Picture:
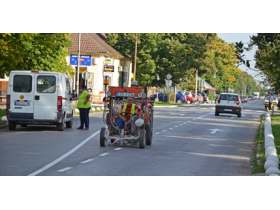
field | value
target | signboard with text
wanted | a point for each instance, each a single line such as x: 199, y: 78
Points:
x: 85, y: 60
x: 108, y: 68
x: 107, y: 61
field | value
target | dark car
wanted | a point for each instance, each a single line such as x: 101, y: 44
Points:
x: 251, y: 98
x: 204, y: 96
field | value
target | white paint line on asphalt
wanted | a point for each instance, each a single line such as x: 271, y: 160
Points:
x: 182, y: 114
x: 64, y: 156
x: 181, y: 124
x: 260, y: 111
x: 157, y: 133
x: 164, y: 130
x: 175, y: 126
x: 248, y: 110
x: 198, y: 118
x: 185, y: 122
x: 86, y: 161
x: 214, y: 130
x: 104, y: 154
x: 189, y: 121
x: 119, y: 148
x: 170, y: 128
x: 64, y: 169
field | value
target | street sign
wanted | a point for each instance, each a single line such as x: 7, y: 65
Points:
x: 169, y: 76
x: 85, y: 75
x: 107, y: 61
x: 85, y: 60
x: 168, y: 83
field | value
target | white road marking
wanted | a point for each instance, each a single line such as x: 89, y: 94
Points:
x: 104, y: 154
x: 64, y: 169
x: 260, y: 111
x: 248, y: 110
x: 189, y: 121
x: 175, y: 126
x: 164, y: 130
x: 86, y: 161
x: 182, y: 114
x: 185, y: 122
x: 157, y: 133
x: 63, y: 156
x: 170, y: 128
x: 214, y: 130
x: 198, y: 118
x: 181, y: 124
x: 119, y: 148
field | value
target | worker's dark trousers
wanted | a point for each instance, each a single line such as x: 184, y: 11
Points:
x: 84, y: 117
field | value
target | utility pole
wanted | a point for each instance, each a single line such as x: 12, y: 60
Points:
x: 196, y: 84
x: 215, y: 82
x: 135, y: 56
x: 78, y: 67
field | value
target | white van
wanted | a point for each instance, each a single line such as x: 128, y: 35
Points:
x: 39, y: 98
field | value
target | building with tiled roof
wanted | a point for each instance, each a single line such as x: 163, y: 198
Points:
x: 96, y: 54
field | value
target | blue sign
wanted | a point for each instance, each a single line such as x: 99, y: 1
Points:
x: 85, y: 60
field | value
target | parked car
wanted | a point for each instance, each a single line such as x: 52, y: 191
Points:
x: 244, y: 99
x: 216, y: 97
x: 251, y: 98
x: 205, y: 98
x: 39, y: 98
x: 180, y: 98
x: 197, y: 97
x: 228, y: 103
x: 189, y: 97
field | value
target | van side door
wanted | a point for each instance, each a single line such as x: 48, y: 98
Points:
x: 45, y: 98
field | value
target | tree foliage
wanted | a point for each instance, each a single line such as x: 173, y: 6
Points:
x: 268, y: 56
x: 34, y: 51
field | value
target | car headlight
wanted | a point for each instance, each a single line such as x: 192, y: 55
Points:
x: 109, y: 93
x: 140, y: 95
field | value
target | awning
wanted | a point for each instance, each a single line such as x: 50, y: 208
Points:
x: 211, y: 89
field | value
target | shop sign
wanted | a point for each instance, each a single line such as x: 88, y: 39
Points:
x: 107, y: 61
x: 85, y: 60
x: 108, y: 68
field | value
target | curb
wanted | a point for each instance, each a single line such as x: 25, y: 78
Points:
x: 3, y: 126
x: 272, y: 162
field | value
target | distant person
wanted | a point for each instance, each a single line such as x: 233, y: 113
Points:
x: 84, y: 108
x: 134, y: 83
x: 270, y: 100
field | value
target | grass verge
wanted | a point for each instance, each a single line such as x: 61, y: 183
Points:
x: 275, y: 125
x: 2, y: 113
x: 259, y: 151
x: 165, y: 104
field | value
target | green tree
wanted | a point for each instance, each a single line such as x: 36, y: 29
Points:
x: 35, y: 51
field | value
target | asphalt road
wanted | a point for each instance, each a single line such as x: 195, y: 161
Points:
x: 186, y: 142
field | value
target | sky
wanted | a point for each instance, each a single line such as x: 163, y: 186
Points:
x: 249, y: 55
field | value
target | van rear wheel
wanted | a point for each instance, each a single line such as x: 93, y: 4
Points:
x: 69, y: 124
x: 12, y: 125
x: 60, y: 126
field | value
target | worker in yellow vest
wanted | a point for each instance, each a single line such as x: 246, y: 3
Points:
x: 130, y: 109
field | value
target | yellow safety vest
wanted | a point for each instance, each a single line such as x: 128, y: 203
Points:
x: 132, y: 108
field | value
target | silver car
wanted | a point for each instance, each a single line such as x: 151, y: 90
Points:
x: 228, y: 103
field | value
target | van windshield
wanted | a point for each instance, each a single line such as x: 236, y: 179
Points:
x: 46, y: 84
x: 22, y: 83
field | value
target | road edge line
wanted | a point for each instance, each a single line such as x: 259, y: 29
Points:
x: 63, y: 156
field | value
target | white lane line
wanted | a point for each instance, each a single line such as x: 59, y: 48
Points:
x: 260, y: 111
x: 182, y: 114
x: 189, y: 121
x: 104, y: 154
x: 86, y: 161
x: 157, y: 133
x: 175, y: 126
x: 248, y: 110
x: 181, y: 124
x: 170, y: 128
x: 64, y: 156
x: 164, y: 130
x: 119, y: 148
x: 64, y: 169
x: 198, y: 118
x: 185, y: 122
